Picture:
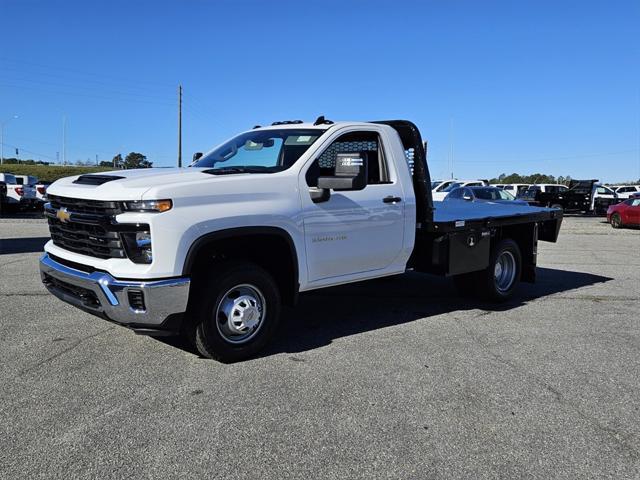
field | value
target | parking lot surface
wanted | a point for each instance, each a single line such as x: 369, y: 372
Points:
x: 396, y: 378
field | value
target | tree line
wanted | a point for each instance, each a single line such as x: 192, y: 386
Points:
x: 132, y: 160
x: 535, y: 178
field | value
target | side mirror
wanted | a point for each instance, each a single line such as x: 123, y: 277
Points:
x: 350, y: 173
x: 196, y: 156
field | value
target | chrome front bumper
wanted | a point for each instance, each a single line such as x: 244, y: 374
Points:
x: 101, y: 294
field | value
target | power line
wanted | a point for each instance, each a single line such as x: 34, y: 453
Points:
x: 28, y: 151
x: 81, y: 72
x: 81, y: 86
x: 77, y: 94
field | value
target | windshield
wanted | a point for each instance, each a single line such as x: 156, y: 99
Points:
x: 260, y: 151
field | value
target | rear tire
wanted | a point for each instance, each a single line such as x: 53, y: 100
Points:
x: 616, y: 220
x: 235, y: 311
x: 500, y: 279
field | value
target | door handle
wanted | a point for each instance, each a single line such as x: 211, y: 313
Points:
x: 391, y: 199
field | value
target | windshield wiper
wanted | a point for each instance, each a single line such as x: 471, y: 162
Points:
x: 239, y: 169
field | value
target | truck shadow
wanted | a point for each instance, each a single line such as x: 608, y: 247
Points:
x: 325, y: 315
x: 10, y: 246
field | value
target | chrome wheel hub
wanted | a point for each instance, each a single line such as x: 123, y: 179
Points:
x: 240, y: 313
x: 504, y: 272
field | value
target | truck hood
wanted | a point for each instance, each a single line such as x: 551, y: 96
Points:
x: 127, y: 185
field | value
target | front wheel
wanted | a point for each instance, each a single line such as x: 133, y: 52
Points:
x: 616, y: 220
x: 235, y: 311
x: 501, y: 277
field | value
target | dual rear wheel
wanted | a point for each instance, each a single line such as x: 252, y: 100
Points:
x: 499, y: 280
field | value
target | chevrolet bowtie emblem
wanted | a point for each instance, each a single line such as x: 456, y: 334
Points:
x: 63, y: 215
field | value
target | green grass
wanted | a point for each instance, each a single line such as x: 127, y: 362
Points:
x: 48, y: 173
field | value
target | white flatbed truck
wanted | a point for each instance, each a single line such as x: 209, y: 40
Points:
x: 212, y: 251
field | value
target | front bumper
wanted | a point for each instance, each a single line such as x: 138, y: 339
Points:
x: 118, y: 300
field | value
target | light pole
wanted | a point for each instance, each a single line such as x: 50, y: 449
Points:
x: 2, y: 124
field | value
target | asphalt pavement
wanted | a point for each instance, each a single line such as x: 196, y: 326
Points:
x: 397, y: 378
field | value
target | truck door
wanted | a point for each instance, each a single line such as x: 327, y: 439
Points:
x: 353, y: 231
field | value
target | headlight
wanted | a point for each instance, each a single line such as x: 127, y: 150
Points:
x: 148, y: 206
x: 138, y: 246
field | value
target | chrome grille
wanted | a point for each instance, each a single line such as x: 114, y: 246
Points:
x: 88, y: 230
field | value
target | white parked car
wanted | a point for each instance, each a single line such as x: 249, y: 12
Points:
x: 515, y: 189
x: 18, y: 195
x: 438, y: 196
x: 440, y: 185
x: 625, y: 191
x: 41, y: 187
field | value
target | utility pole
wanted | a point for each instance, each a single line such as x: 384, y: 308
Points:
x: 179, y: 126
x: 64, y: 139
x: 451, y: 145
x: 96, y: 159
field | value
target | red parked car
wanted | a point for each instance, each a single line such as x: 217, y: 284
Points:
x: 624, y: 213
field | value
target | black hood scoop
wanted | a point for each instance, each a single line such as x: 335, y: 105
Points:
x: 93, y: 179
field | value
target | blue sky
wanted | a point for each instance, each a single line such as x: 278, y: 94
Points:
x: 525, y: 87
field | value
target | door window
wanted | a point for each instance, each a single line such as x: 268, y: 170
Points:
x: 368, y: 144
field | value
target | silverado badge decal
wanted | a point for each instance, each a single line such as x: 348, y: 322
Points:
x: 63, y: 215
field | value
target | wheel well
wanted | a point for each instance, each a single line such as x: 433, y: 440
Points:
x: 526, y: 236
x: 271, y: 249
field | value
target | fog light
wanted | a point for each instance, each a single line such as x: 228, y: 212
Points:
x: 138, y: 246
x: 143, y: 242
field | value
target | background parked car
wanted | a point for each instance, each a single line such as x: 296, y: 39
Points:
x: 3, y: 196
x: 624, y: 213
x: 440, y: 185
x: 483, y: 194
x: 18, y: 196
x: 441, y: 195
x: 581, y: 196
x: 41, y: 192
x: 515, y: 189
x: 625, y: 191
x: 31, y: 182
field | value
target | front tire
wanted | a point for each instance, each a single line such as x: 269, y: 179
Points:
x: 500, y: 279
x: 235, y: 312
x: 616, y: 220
